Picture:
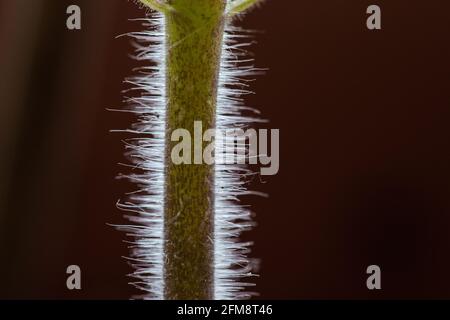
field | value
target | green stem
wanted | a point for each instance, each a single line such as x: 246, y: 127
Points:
x: 194, y: 34
x: 194, y: 42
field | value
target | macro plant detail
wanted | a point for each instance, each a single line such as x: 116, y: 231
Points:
x: 186, y: 220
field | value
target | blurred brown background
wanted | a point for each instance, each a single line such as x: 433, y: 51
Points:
x: 365, y: 162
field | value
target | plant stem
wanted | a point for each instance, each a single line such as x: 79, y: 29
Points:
x: 194, y: 42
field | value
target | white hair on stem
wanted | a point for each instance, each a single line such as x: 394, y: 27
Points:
x: 231, y: 217
x: 147, y: 154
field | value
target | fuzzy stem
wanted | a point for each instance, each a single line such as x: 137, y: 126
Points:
x: 194, y: 41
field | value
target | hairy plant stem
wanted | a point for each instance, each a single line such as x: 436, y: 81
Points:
x: 194, y: 36
x: 194, y: 42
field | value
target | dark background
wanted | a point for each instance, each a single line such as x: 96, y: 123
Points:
x: 365, y: 162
